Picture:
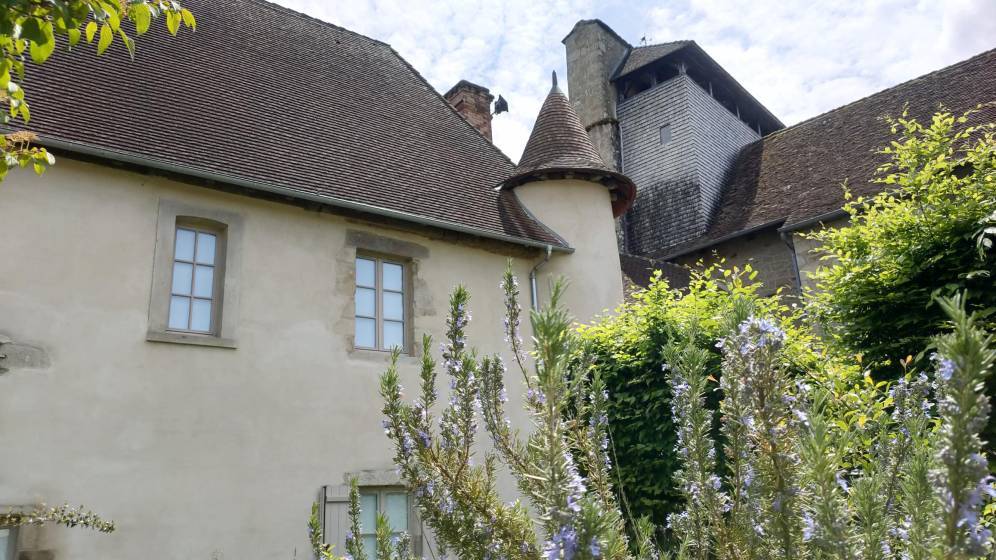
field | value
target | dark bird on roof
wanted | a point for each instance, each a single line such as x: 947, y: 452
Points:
x: 501, y: 106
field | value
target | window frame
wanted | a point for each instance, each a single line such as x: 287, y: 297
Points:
x: 228, y: 227
x: 200, y: 227
x: 379, y: 261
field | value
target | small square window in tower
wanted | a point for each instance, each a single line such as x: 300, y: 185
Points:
x: 665, y: 133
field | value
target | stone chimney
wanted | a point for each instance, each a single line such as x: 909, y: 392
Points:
x: 473, y: 102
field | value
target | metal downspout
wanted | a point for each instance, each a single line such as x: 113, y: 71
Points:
x: 533, y: 289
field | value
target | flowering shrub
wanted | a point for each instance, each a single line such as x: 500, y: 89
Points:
x: 793, y: 487
x: 896, y: 473
x: 562, y: 466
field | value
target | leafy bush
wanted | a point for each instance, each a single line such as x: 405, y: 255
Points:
x: 927, y: 234
x: 627, y: 350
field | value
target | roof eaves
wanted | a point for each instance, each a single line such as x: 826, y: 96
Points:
x: 125, y: 157
x: 736, y: 84
x: 722, y: 239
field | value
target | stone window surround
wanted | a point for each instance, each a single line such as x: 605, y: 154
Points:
x: 364, y: 243
x: 230, y: 239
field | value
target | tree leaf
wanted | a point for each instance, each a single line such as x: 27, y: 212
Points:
x: 172, y: 22
x: 106, y: 37
x: 142, y: 16
x: 91, y: 30
x: 188, y: 19
x: 32, y: 29
x: 74, y: 37
x: 41, y: 50
x: 129, y: 43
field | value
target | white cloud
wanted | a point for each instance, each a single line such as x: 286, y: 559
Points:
x: 799, y: 59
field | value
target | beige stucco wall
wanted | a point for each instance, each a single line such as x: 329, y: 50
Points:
x: 807, y: 255
x: 213, y: 453
x: 581, y: 213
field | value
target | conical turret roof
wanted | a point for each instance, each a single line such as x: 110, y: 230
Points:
x: 559, y: 147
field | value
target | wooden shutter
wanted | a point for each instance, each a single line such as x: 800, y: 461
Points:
x: 334, y: 517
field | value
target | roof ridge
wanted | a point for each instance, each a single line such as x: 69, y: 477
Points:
x: 278, y: 8
x: 453, y: 110
x: 879, y: 92
x: 664, y: 44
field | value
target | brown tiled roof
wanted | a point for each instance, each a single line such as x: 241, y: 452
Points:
x: 559, y: 144
x: 264, y: 95
x: 795, y: 174
x: 638, y: 57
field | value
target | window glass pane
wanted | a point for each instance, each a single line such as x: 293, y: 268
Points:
x: 368, y: 513
x: 366, y: 333
x: 665, y: 134
x: 200, y: 315
x: 370, y: 545
x: 181, y: 277
x: 179, y: 312
x: 396, y: 509
x: 366, y: 302
x: 5, y: 538
x: 392, y: 277
x: 204, y: 281
x: 365, y: 274
x: 205, y: 248
x: 394, y: 306
x: 184, y: 244
x: 394, y: 334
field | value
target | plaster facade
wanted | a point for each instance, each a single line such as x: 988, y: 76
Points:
x: 201, y: 452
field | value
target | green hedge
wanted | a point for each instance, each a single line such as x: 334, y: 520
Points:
x: 626, y: 348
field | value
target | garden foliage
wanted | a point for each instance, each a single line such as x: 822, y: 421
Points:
x: 815, y: 467
x: 793, y: 487
x: 562, y: 466
x: 628, y: 350
x: 928, y: 233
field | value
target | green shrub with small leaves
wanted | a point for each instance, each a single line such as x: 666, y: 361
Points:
x: 928, y: 233
x: 628, y: 350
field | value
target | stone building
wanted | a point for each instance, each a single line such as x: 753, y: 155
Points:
x: 197, y: 300
x: 718, y: 175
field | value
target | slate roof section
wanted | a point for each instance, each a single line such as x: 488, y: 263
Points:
x: 559, y: 144
x: 270, y: 96
x: 637, y: 272
x: 638, y: 57
x: 795, y: 175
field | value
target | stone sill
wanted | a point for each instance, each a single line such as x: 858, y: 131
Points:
x: 190, y: 338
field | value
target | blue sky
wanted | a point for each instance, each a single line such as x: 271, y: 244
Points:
x: 798, y: 58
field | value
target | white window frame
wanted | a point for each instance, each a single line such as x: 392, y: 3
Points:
x: 379, y: 262
x: 217, y: 277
